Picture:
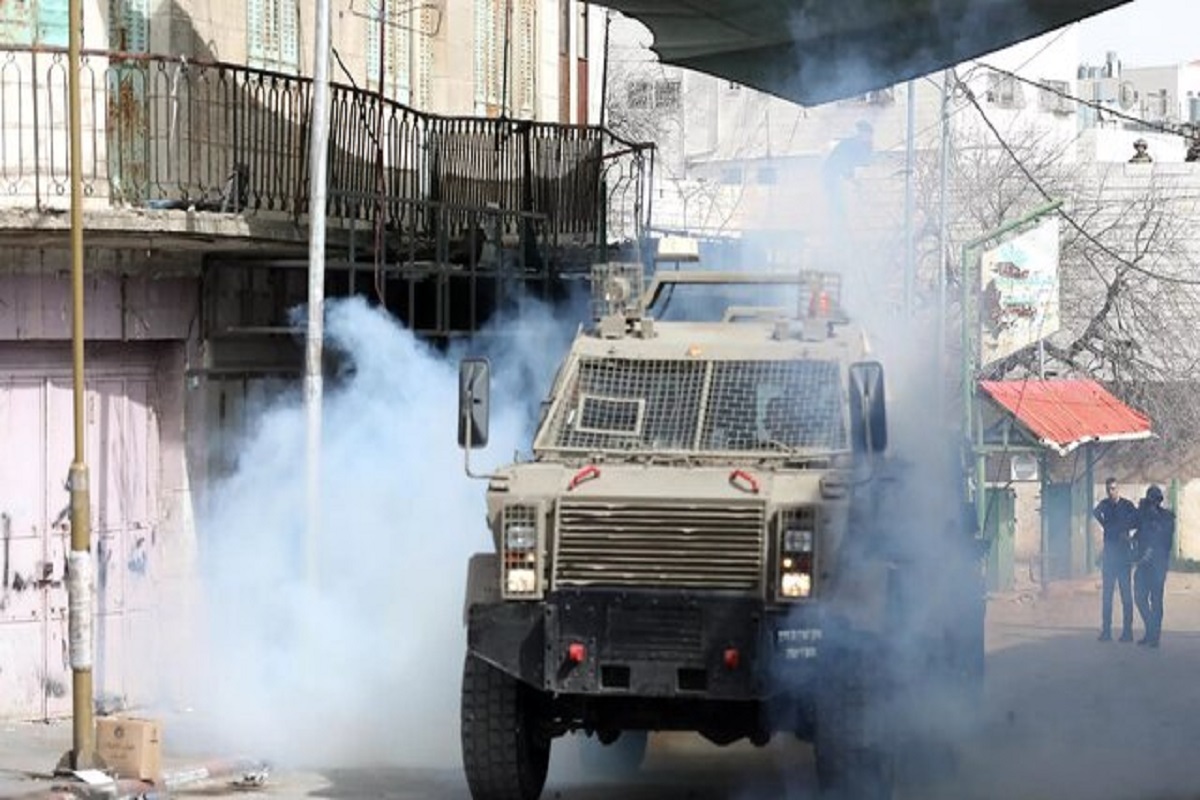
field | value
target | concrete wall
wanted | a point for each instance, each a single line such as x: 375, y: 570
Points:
x: 1028, y: 539
x: 1115, y: 145
x: 1188, y: 519
x: 1028, y: 522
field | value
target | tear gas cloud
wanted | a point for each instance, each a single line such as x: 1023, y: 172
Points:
x: 365, y: 669
x: 1085, y: 761
x: 360, y: 665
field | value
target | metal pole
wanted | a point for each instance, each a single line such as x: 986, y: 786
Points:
x: 507, y: 56
x: 79, y: 561
x: 603, y: 71
x: 1044, y: 528
x: 380, y: 288
x: 318, y: 160
x: 910, y: 265
x: 1089, y: 501
x: 943, y: 245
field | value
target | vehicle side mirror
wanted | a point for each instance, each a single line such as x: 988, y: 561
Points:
x: 474, y: 380
x: 868, y: 408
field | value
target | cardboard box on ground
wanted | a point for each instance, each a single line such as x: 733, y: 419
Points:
x: 132, y: 748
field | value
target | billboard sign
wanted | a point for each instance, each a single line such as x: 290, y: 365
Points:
x: 1019, y: 302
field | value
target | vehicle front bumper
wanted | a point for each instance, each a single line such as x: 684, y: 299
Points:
x: 650, y: 644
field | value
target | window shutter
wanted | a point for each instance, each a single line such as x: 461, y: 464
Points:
x: 499, y: 52
x: 52, y: 27
x: 287, y: 12
x: 256, y: 14
x: 398, y: 83
x: 525, y: 48
x: 271, y: 35
x: 489, y: 53
x: 400, y: 50
x: 424, y: 60
x: 481, y: 18
x: 128, y: 25
x: 16, y: 23
x: 372, y: 43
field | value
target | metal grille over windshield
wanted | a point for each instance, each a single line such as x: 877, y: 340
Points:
x: 691, y: 406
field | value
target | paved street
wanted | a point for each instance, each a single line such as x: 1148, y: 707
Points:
x: 1066, y: 716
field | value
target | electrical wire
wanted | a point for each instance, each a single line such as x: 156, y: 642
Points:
x: 937, y: 84
x: 1180, y: 130
x: 1067, y: 217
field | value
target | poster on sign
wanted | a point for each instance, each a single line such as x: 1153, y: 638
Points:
x: 1019, y: 304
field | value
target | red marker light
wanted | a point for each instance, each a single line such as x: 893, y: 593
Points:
x: 576, y: 653
x: 732, y: 658
x: 819, y: 304
x: 584, y: 475
x: 744, y: 480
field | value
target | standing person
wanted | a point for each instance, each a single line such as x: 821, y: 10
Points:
x: 1118, y: 517
x: 1155, y: 538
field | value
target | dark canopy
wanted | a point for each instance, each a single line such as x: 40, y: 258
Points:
x: 813, y: 51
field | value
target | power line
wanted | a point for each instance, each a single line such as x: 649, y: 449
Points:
x: 959, y: 81
x: 1153, y: 126
x: 1104, y: 248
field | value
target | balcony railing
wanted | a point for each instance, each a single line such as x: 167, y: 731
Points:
x: 163, y: 132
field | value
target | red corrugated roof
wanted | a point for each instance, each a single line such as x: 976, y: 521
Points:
x: 1064, y: 414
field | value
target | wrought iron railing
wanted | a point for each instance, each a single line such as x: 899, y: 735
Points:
x: 168, y: 132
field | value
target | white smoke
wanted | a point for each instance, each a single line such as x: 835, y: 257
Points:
x: 360, y: 663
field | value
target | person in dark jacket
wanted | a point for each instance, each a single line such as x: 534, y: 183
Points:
x: 1118, y: 517
x: 1155, y: 538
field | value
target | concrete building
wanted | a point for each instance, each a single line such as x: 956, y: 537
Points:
x: 1167, y: 95
x: 448, y: 195
x: 1160, y: 105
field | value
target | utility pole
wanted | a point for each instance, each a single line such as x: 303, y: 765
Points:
x: 910, y: 258
x: 943, y: 244
x: 315, y: 331
x: 608, y: 17
x: 79, y: 560
x: 380, y: 215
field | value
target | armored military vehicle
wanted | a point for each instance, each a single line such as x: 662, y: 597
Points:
x: 696, y: 542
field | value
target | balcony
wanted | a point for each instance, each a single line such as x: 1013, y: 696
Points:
x: 176, y: 141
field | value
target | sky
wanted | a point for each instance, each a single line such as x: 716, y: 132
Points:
x: 1144, y: 33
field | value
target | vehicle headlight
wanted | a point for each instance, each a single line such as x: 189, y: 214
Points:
x: 797, y: 558
x: 520, y: 559
x: 520, y: 536
x: 521, y: 581
x: 797, y: 540
x: 795, y: 584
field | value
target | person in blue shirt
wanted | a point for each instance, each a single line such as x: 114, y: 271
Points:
x: 1155, y: 538
x: 1118, y: 517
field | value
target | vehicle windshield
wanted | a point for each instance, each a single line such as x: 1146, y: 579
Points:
x: 643, y: 406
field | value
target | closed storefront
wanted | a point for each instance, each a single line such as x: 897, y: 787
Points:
x: 122, y: 411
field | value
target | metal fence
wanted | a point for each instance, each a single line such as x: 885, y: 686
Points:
x: 690, y: 406
x: 168, y: 132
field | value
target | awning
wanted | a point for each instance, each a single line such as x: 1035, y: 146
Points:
x: 813, y: 51
x: 1063, y: 414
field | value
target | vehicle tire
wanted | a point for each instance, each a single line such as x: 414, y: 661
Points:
x: 853, y: 754
x: 505, y: 754
x: 621, y: 759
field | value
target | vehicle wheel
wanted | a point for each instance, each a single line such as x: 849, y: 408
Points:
x: 505, y: 754
x: 854, y: 757
x: 623, y: 758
